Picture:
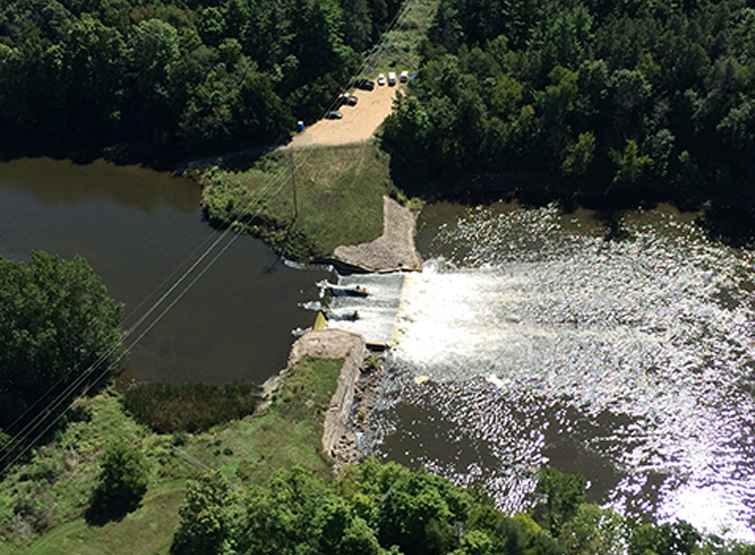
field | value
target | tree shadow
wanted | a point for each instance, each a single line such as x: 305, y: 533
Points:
x: 732, y: 225
x: 106, y: 508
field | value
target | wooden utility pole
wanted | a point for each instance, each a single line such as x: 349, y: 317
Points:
x: 293, y: 167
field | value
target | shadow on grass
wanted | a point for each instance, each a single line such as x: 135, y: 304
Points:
x: 107, y: 508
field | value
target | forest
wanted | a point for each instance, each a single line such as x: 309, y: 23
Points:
x: 386, y: 509
x: 626, y: 94
x: 175, y: 79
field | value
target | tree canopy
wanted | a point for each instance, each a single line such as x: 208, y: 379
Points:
x: 386, y: 509
x: 630, y: 93
x: 56, y: 321
x: 185, y: 75
x: 123, y: 481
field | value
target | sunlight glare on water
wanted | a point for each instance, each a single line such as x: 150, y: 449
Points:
x: 544, y: 343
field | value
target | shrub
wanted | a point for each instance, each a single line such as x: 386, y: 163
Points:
x: 122, y: 484
x: 169, y: 408
x: 180, y: 438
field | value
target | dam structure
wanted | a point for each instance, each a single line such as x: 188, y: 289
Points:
x: 540, y: 342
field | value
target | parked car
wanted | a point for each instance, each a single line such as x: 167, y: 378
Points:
x: 404, y: 77
x: 391, y: 78
x: 348, y: 99
x: 381, y: 79
x: 333, y: 115
x: 364, y: 84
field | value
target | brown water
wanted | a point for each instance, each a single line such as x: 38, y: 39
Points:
x: 539, y: 342
x: 530, y: 339
x: 136, y: 227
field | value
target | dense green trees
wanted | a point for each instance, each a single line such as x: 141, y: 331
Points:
x: 56, y: 322
x: 207, y: 517
x: 187, y: 76
x: 385, y: 509
x: 630, y: 93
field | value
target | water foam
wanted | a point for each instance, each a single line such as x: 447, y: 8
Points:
x: 549, y: 345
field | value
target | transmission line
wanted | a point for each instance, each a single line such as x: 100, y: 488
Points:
x: 29, y: 429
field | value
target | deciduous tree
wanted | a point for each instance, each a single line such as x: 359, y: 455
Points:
x: 57, y: 324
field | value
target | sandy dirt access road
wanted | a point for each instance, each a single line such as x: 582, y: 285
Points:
x: 358, y: 123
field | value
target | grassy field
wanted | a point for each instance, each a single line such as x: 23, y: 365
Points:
x: 288, y: 434
x: 149, y: 529
x: 247, y: 451
x: 400, y: 49
x: 339, y: 193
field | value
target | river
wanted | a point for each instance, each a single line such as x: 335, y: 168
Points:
x: 136, y: 227
x: 532, y: 338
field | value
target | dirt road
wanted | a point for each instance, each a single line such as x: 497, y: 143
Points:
x: 358, y: 123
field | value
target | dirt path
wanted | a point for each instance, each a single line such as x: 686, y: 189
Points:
x: 358, y: 123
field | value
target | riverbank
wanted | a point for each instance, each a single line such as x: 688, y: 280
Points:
x: 726, y: 216
x: 393, y: 251
x: 42, y: 502
x: 303, y: 204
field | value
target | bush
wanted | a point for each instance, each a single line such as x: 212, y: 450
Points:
x: 168, y: 408
x: 180, y: 438
x: 122, y: 484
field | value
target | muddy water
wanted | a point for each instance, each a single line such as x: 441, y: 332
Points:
x: 137, y: 227
x: 531, y: 339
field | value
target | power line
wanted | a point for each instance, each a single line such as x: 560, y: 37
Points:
x: 54, y: 405
x: 37, y: 421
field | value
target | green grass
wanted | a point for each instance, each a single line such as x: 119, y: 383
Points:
x: 339, y: 197
x: 62, y: 474
x: 288, y: 434
x: 149, y: 529
x: 400, y: 50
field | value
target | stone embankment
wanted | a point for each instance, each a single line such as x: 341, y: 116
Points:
x: 393, y: 251
x: 335, y: 344
x: 352, y: 445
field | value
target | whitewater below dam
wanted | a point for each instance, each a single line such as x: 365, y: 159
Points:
x: 531, y: 339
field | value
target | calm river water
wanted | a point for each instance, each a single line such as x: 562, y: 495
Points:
x: 136, y: 227
x: 530, y: 339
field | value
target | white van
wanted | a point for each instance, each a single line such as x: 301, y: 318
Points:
x: 404, y: 77
x: 391, y: 78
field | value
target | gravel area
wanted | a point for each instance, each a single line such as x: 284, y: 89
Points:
x: 358, y: 124
x: 394, y: 250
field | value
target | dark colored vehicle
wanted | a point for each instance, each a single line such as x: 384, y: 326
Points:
x: 333, y: 115
x: 364, y: 84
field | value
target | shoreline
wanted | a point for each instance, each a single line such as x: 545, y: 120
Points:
x: 347, y: 420
x: 394, y: 251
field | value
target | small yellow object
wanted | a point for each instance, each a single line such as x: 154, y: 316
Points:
x: 320, y: 322
x: 421, y: 379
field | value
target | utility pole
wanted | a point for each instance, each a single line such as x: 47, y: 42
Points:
x: 293, y: 167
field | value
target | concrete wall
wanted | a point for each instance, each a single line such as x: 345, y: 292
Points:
x: 330, y: 344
